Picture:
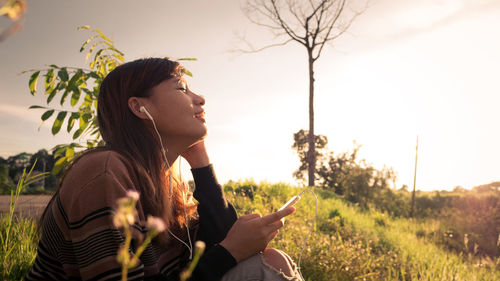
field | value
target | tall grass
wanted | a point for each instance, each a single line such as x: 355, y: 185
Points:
x: 351, y: 244
x: 18, y: 235
x: 347, y: 243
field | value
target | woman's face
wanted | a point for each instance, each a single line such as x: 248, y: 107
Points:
x: 177, y: 111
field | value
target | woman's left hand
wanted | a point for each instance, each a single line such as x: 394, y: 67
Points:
x: 197, y: 155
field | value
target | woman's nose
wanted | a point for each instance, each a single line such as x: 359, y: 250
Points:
x: 200, y: 99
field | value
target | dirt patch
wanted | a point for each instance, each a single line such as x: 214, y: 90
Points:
x: 27, y: 205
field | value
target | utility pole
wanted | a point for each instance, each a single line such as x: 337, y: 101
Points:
x: 414, y: 183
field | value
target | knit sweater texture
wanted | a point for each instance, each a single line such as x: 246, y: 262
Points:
x: 80, y: 242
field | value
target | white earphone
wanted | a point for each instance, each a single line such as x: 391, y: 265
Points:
x: 170, y: 180
x: 143, y: 110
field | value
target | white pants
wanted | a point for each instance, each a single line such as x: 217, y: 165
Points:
x: 256, y: 269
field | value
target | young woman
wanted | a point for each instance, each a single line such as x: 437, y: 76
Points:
x: 148, y: 117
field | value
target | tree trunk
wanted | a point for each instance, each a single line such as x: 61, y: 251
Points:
x: 311, y: 155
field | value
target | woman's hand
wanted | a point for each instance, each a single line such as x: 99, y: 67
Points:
x: 250, y: 234
x: 196, y: 155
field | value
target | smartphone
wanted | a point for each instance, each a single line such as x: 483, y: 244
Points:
x: 290, y: 202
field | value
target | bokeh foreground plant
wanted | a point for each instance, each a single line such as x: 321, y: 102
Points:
x: 125, y: 218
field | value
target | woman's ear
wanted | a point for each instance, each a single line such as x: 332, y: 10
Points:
x: 134, y: 104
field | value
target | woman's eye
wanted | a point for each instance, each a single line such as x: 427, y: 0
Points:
x: 182, y: 89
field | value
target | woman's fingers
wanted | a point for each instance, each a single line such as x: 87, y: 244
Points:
x: 271, y: 236
x: 277, y: 215
x: 249, y: 217
x: 274, y: 226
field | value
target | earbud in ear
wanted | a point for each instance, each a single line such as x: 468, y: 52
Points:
x: 143, y: 110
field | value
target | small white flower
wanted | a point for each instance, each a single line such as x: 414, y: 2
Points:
x: 118, y: 219
x: 199, y: 245
x: 156, y: 224
x: 133, y: 194
x: 130, y: 219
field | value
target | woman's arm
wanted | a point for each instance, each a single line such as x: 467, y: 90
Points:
x: 216, y: 214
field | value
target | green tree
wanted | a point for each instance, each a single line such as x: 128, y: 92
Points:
x: 6, y: 183
x: 355, y: 180
x: 43, y: 161
x: 79, y: 87
x: 301, y: 146
x: 17, y: 164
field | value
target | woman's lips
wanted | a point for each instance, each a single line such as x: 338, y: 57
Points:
x: 200, y: 116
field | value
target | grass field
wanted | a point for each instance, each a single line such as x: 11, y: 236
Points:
x: 27, y: 205
x: 346, y: 244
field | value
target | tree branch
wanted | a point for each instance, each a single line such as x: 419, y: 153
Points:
x: 293, y: 12
x: 288, y: 30
x: 253, y: 50
x: 334, y: 20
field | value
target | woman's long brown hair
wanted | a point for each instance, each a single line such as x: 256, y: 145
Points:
x: 128, y: 135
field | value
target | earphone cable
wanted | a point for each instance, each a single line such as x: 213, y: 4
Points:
x: 170, y: 179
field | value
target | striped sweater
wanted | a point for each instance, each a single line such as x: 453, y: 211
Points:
x: 79, y: 241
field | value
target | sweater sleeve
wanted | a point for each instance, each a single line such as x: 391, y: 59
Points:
x: 216, y: 217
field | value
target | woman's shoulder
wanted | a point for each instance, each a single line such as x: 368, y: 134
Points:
x: 98, y: 176
x: 100, y: 161
x: 94, y: 164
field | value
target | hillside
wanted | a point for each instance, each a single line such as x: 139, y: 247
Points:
x: 347, y: 243
x: 350, y: 244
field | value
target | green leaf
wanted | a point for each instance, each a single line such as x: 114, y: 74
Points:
x: 49, y: 80
x: 65, y: 95
x: 59, y: 165
x: 188, y: 73
x: 90, y: 51
x: 103, y: 36
x: 77, y: 133
x: 75, y: 96
x: 54, y: 66
x: 188, y: 59
x: 46, y: 115
x: 63, y: 74
x: 87, y: 102
x: 111, y: 47
x: 36, y: 106
x: 120, y: 58
x: 75, y: 78
x: 70, y: 152
x: 71, y: 121
x: 85, y: 43
x: 58, y: 150
x: 94, y: 75
x: 58, y: 122
x: 97, y: 58
x: 33, y: 81
x: 52, y: 94
x: 86, y: 117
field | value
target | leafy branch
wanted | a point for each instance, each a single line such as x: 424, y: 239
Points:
x: 79, y: 86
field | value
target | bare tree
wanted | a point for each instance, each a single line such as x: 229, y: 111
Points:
x: 311, y: 23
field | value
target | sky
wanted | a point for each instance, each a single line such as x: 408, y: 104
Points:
x: 404, y: 68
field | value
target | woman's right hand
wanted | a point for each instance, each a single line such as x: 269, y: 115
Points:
x: 250, y: 234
